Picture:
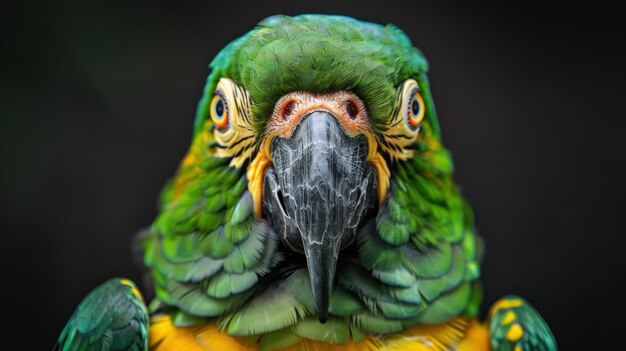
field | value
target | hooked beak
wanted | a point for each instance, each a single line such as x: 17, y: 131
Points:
x: 317, y: 194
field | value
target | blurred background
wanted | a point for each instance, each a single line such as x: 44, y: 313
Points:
x: 96, y: 107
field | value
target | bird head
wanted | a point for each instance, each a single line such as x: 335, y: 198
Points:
x: 316, y: 110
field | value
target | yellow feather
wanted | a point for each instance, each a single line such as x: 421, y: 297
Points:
x: 458, y: 334
x: 476, y: 338
x: 164, y: 336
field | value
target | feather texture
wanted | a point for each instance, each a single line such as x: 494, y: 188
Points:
x: 457, y: 334
x: 112, y: 317
x: 222, y: 277
x: 212, y: 258
x: 219, y: 267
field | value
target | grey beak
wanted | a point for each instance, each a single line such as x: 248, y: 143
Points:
x: 317, y: 195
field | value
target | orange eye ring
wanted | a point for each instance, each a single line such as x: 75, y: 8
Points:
x: 416, y: 109
x: 219, y: 111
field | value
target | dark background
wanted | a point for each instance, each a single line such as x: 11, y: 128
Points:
x: 96, y: 109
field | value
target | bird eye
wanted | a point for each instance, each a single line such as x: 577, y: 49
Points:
x: 416, y: 109
x: 219, y: 111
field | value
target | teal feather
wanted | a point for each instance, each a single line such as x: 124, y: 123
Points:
x: 399, y: 277
x: 112, y: 316
x: 535, y: 334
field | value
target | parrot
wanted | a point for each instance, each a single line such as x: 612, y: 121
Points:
x: 315, y: 209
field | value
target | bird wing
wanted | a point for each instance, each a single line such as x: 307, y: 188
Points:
x: 111, y: 317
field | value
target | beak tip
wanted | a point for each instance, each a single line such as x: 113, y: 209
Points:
x: 322, y: 305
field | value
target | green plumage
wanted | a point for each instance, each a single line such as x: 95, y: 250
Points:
x: 206, y: 250
x: 319, y: 54
x: 415, y: 261
x: 211, y: 258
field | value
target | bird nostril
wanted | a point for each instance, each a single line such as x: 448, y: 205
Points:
x: 351, y: 109
x: 288, y: 109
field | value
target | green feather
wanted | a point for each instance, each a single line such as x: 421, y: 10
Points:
x: 181, y: 249
x: 431, y: 289
x: 374, y: 252
x: 182, y: 319
x: 214, y: 203
x: 431, y: 263
x: 190, y: 297
x: 242, y: 211
x: 475, y: 299
x: 334, y: 331
x: 277, y: 340
x: 376, y: 324
x: 399, y: 277
x: 196, y: 271
x: 226, y: 284
x: 298, y: 284
x: 447, y: 306
x: 271, y: 310
x: 208, y: 221
x: 247, y: 254
x: 473, y: 271
x: 397, y: 310
x: 392, y: 228
x: 344, y: 304
x: 217, y: 245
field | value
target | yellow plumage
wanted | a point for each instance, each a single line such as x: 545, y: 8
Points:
x: 459, y: 334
